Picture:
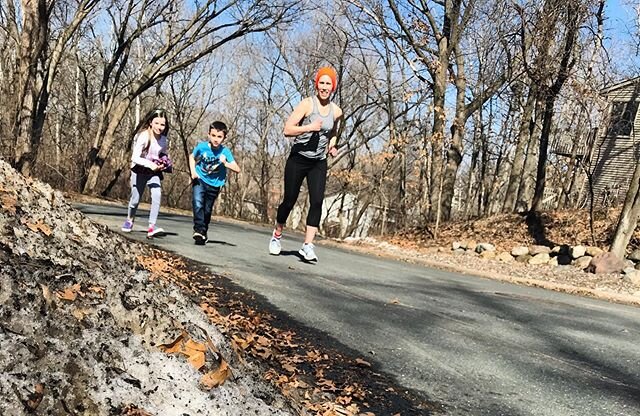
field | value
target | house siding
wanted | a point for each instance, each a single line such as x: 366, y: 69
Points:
x: 616, y: 156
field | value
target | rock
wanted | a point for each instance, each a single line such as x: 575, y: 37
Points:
x: 488, y: 254
x: 456, y: 245
x: 635, y: 255
x: 524, y: 258
x: 553, y: 261
x: 519, y: 251
x: 541, y: 258
x: 593, y: 251
x: 633, y: 277
x: 563, y: 259
x: 469, y: 245
x: 484, y: 247
x: 606, y: 263
x: 578, y: 251
x: 629, y: 263
x: 504, y: 257
x: 459, y: 250
x: 629, y: 270
x: 637, y: 267
x: 535, y: 250
x: 563, y: 249
x: 582, y: 262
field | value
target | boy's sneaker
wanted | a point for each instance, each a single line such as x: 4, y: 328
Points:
x: 199, y: 239
x: 153, y: 230
x: 307, y: 252
x: 274, y: 244
x: 127, y: 226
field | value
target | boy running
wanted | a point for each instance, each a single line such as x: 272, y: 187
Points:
x: 208, y: 165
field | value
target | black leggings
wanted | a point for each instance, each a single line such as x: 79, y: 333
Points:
x: 297, y: 168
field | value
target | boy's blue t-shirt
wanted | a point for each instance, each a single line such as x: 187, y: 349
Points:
x: 208, y: 165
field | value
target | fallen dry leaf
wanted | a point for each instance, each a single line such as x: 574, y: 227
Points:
x: 8, y: 203
x: 39, y: 226
x: 216, y: 377
x: 194, y: 351
x: 80, y: 313
x: 70, y: 293
x: 35, y: 398
x: 394, y: 301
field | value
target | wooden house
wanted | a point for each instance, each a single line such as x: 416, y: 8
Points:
x: 613, y: 149
x: 616, y: 152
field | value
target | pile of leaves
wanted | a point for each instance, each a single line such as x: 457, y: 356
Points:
x: 86, y: 330
x: 551, y: 228
x: 316, y: 378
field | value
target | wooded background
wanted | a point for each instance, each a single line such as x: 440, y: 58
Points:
x: 452, y: 107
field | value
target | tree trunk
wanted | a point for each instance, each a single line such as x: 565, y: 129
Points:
x: 524, y: 136
x: 628, y: 216
x: 32, y: 46
x: 437, y: 141
x: 541, y: 169
x: 102, y: 146
x: 528, y: 179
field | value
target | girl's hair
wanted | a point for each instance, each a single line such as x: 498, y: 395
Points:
x: 145, y: 122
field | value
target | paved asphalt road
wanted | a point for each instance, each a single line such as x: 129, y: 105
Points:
x: 481, y: 347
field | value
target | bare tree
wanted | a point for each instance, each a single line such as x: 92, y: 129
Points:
x: 181, y: 37
x: 40, y: 47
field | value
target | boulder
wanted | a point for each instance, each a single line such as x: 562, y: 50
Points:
x: 505, y: 257
x: 519, y: 251
x: 582, y: 262
x: 635, y: 255
x: 484, y: 247
x: 578, y: 251
x: 456, y: 245
x: 563, y: 259
x: 606, y: 263
x: 524, y: 258
x: 469, y: 245
x: 593, y: 251
x: 633, y: 277
x: 563, y: 249
x: 488, y: 254
x: 553, y: 261
x: 541, y: 258
x: 535, y: 250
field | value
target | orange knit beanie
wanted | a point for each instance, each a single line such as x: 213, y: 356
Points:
x: 331, y: 73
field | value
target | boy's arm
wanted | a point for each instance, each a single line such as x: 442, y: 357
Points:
x: 229, y: 165
x: 192, y: 167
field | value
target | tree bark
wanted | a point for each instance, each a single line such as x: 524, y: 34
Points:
x: 628, y: 216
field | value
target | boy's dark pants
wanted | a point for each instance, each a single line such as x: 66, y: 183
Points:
x: 203, y: 198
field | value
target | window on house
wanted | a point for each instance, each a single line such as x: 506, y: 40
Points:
x: 622, y: 117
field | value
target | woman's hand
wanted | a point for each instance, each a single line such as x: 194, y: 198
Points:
x: 333, y: 151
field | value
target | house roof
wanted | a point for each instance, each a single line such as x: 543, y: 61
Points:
x: 620, y: 85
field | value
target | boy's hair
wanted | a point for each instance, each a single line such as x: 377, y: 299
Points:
x: 220, y: 126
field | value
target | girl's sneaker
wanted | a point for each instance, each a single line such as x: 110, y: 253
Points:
x: 153, y: 230
x: 127, y: 226
x: 308, y: 253
x: 274, y: 245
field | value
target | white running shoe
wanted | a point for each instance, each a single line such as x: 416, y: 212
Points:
x: 153, y: 230
x: 308, y: 253
x: 274, y: 245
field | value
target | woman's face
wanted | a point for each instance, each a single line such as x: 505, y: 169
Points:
x: 325, y: 87
x: 158, y: 125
